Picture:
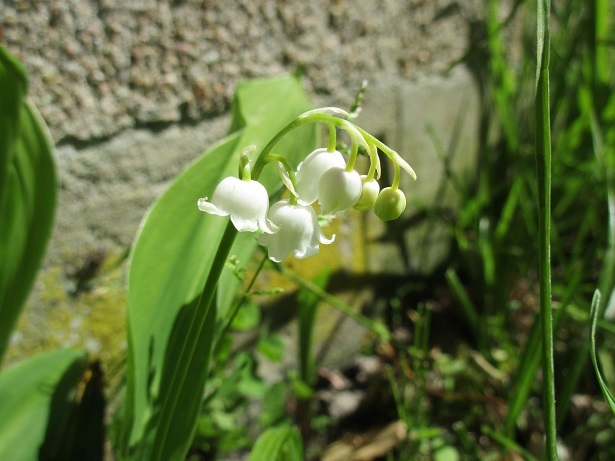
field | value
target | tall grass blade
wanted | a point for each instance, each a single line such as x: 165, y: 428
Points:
x: 543, y: 170
x: 595, y: 311
x: 508, y: 443
x: 467, y: 306
x: 308, y: 304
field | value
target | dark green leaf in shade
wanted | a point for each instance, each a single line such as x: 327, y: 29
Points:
x: 36, y: 403
x: 27, y: 193
x: 78, y: 431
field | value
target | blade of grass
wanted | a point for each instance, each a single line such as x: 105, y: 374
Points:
x: 504, y: 82
x: 508, y: 443
x: 526, y: 375
x: 419, y: 353
x: 469, y: 445
x: 543, y: 171
x: 509, y: 209
x: 595, y: 311
x: 377, y: 328
x: 308, y: 304
x: 308, y: 307
x: 602, y: 70
x: 588, y: 100
x: 238, y: 303
x: 607, y: 274
x: 467, y: 306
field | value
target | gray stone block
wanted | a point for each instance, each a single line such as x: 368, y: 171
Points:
x: 434, y: 126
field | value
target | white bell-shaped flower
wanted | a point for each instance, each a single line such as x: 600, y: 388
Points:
x: 246, y: 201
x: 298, y: 231
x: 311, y: 170
x: 339, y: 190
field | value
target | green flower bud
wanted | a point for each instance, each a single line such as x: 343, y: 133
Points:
x: 369, y: 194
x: 390, y: 204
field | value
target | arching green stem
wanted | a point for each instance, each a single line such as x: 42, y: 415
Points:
x: 244, y: 167
x: 396, y: 177
x: 374, y: 162
x: 244, y: 163
x: 353, y: 157
x: 394, y: 156
x: 286, y: 172
x: 357, y: 135
x: 322, y: 115
x: 332, y: 138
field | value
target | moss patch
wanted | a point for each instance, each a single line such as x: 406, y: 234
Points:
x: 93, y: 320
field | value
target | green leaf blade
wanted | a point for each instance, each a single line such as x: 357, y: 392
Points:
x: 27, y: 194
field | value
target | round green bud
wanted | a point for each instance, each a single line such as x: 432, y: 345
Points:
x: 390, y: 204
x: 369, y: 194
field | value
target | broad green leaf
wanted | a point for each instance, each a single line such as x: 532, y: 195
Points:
x: 35, y: 395
x: 278, y: 444
x: 170, y: 333
x: 27, y: 193
x: 610, y: 399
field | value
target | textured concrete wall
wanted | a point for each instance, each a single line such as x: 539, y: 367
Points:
x: 133, y: 90
x: 100, y: 66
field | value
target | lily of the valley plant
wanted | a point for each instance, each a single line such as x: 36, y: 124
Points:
x: 324, y: 176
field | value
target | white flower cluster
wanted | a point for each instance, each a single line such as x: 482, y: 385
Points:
x: 291, y: 225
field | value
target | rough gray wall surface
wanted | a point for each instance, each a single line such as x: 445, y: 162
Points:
x: 107, y: 188
x: 97, y: 67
